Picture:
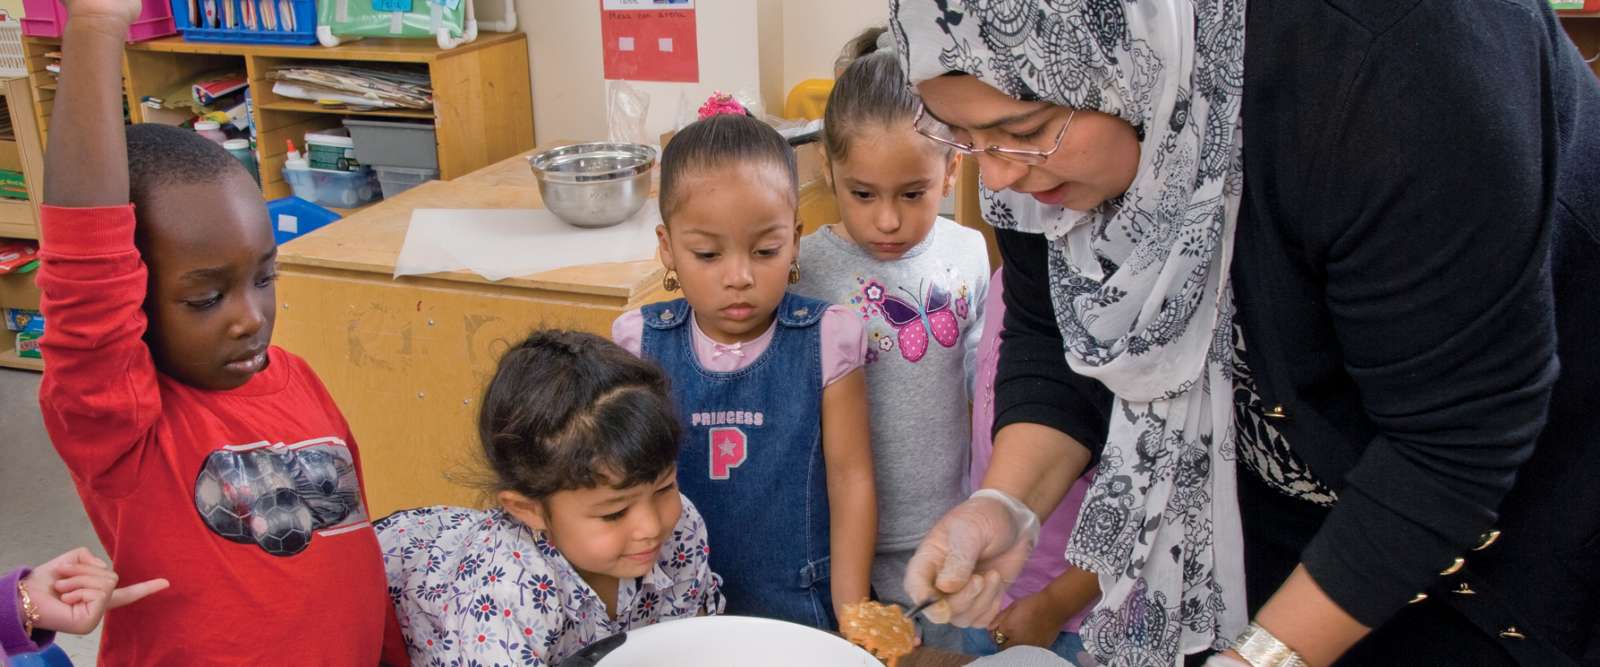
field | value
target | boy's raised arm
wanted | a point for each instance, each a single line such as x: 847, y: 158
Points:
x: 86, y: 163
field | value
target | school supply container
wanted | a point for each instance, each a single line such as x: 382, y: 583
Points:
x: 293, y: 217
x: 211, y: 130
x: 13, y: 61
x: 384, y: 143
x: 46, y: 18
x: 240, y: 150
x: 331, y: 149
x: 247, y: 21
x: 450, y: 22
x: 338, y: 189
x: 396, y: 180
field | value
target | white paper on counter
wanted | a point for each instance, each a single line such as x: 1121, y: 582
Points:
x: 499, y: 243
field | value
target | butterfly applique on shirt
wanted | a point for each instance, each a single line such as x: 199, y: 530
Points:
x: 915, y: 320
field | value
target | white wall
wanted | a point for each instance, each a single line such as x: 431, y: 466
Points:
x: 760, y: 46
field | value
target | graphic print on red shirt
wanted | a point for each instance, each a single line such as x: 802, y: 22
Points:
x: 276, y: 496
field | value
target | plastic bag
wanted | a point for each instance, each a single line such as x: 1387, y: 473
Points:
x: 626, y: 110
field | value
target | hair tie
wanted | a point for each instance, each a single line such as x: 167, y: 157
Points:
x: 722, y: 103
x: 886, y: 43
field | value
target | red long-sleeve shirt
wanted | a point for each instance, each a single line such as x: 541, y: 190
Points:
x: 214, y: 490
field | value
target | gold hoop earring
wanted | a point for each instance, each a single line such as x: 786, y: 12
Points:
x: 669, y: 282
x: 794, y: 273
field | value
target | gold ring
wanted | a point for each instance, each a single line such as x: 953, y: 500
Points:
x: 1000, y: 638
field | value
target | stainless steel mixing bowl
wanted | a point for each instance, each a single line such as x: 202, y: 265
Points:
x: 594, y: 184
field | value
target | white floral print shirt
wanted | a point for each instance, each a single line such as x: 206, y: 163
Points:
x: 478, y: 588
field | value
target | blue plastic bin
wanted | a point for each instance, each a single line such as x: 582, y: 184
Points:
x: 304, y: 13
x: 293, y: 217
x: 51, y: 656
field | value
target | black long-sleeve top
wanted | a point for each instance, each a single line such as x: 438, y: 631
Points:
x: 1417, y: 273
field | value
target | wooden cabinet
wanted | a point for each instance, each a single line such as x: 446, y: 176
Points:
x: 407, y: 358
x: 482, y: 106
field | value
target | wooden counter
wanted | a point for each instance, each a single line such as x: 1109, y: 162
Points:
x: 407, y: 358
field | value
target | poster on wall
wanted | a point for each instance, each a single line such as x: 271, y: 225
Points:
x: 650, y: 40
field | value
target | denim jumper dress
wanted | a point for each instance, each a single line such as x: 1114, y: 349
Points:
x: 752, y: 460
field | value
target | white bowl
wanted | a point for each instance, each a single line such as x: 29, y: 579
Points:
x: 734, y: 641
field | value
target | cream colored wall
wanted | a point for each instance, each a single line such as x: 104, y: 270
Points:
x: 815, y: 30
x: 761, y: 46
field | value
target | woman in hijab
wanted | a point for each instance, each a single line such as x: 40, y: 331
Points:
x: 1351, y: 245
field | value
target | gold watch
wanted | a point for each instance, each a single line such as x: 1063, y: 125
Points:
x: 1259, y: 648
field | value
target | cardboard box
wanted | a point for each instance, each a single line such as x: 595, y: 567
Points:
x: 22, y: 319
x: 28, y: 345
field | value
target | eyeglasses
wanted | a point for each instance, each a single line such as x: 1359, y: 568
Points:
x: 930, y: 127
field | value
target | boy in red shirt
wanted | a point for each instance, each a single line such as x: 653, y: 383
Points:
x: 202, y: 454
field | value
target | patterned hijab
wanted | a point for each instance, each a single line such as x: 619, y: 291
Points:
x: 1140, y: 287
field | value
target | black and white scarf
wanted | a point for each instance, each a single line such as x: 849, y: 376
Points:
x: 1140, y: 288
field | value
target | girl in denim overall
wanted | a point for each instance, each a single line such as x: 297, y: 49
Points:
x: 768, y: 384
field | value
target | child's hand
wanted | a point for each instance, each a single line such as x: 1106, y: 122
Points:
x: 1031, y: 621
x: 124, y: 12
x: 74, y: 590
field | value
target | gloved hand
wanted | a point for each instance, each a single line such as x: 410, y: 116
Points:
x: 971, y: 557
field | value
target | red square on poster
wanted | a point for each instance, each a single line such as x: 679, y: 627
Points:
x: 650, y: 40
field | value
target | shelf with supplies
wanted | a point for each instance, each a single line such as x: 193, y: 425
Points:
x: 482, y: 103
x: 20, y: 152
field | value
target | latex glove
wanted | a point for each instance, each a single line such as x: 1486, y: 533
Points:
x: 971, y: 557
x: 73, y: 591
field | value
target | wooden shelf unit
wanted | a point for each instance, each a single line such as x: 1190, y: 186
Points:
x: 1584, y: 29
x: 20, y: 219
x: 482, y: 105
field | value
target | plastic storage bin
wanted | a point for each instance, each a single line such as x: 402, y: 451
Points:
x: 332, y: 149
x: 386, y: 143
x: 450, y: 22
x: 293, y: 217
x: 13, y: 61
x: 339, y: 189
x: 396, y: 180
x: 46, y: 18
x: 270, y: 21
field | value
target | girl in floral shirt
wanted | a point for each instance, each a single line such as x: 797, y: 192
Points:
x: 591, y: 537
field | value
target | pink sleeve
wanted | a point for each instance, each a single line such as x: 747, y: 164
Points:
x: 628, y: 331
x: 844, y: 345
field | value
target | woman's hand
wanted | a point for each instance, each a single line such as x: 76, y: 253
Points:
x: 73, y: 591
x: 971, y: 557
